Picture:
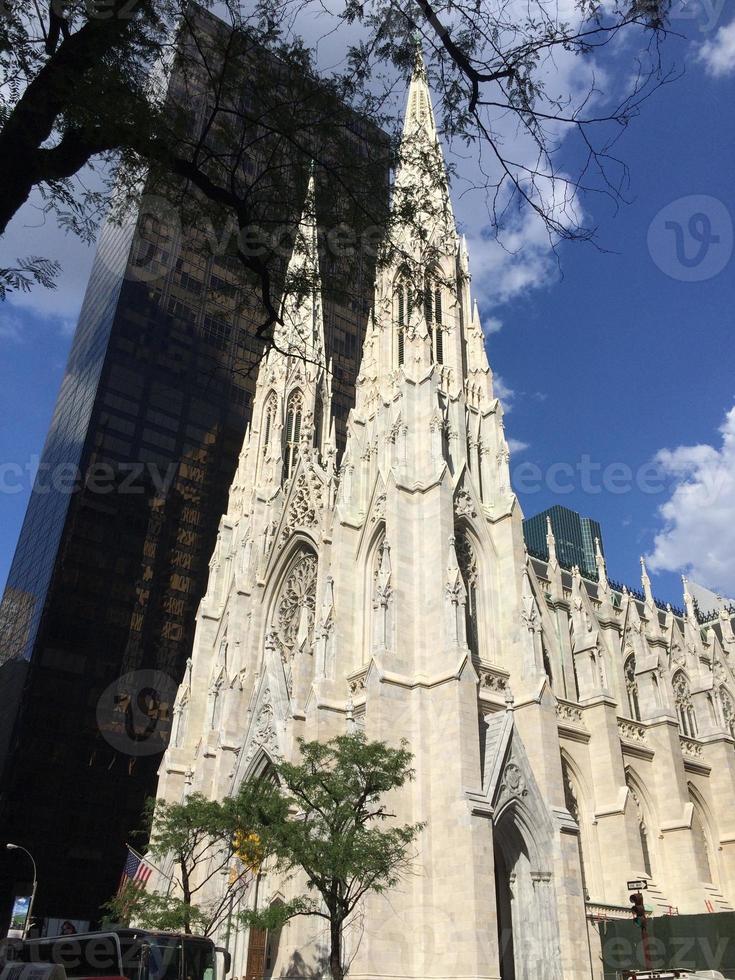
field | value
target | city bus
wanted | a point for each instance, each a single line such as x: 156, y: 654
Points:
x: 128, y: 954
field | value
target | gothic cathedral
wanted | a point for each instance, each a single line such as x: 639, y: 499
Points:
x: 567, y: 734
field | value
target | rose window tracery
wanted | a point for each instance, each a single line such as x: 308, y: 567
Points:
x: 293, y: 620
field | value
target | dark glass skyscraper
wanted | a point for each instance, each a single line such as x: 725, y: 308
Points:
x: 575, y: 537
x: 97, y: 618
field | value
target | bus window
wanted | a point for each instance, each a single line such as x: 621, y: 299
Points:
x: 164, y: 959
x: 198, y: 961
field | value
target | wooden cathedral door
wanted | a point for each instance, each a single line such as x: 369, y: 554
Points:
x: 256, y: 954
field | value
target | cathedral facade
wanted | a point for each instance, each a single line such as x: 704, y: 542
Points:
x: 567, y: 734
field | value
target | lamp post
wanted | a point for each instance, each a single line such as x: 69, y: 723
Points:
x: 17, y: 847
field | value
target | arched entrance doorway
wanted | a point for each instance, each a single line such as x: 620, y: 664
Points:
x: 528, y: 936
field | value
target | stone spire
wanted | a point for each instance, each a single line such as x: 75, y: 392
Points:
x: 479, y: 372
x: 601, y: 568
x: 292, y: 405
x: 419, y: 115
x: 689, y: 602
x: 421, y: 190
x: 553, y: 567
x: 551, y: 544
x: 650, y: 603
x: 302, y: 330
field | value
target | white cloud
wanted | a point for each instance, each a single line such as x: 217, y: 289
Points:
x: 517, y: 445
x: 504, y: 392
x: 718, y: 55
x: 10, y: 325
x: 491, y: 324
x: 698, y: 536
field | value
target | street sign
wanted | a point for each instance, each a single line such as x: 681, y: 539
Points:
x: 638, y: 885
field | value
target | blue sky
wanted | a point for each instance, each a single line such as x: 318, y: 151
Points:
x: 609, y: 367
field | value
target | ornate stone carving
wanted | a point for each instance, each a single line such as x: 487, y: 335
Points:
x: 293, y: 620
x: 512, y: 783
x: 677, y: 653
x: 630, y: 732
x: 467, y: 562
x: 567, y: 711
x: 492, y: 680
x: 382, y: 599
x: 305, y: 504
x: 690, y: 748
x: 379, y: 508
x: 728, y: 709
x: 463, y: 506
x: 357, y: 682
x: 264, y: 730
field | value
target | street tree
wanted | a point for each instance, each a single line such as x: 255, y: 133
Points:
x: 193, y: 847
x: 326, y: 820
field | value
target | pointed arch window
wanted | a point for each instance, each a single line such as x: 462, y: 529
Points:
x: 467, y: 561
x: 642, y: 829
x: 645, y: 849
x: 571, y: 800
x: 684, y: 708
x: 700, y: 840
x: 631, y: 687
x: 216, y: 698
x: 269, y: 421
x: 433, y: 317
x: 401, y: 315
x: 656, y: 691
x: 294, y: 416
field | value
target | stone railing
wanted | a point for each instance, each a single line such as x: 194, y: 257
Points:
x: 569, y: 712
x: 631, y: 731
x: 690, y: 747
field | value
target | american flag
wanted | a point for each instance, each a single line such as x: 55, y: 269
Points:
x: 136, y: 871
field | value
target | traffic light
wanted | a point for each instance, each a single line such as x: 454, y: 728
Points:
x: 638, y: 910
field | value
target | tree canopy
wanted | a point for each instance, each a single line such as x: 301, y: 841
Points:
x: 326, y: 819
x: 191, y: 847
x: 85, y: 84
x: 321, y: 826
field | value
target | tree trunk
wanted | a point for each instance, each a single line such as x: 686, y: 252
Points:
x: 335, y: 953
x: 186, y: 894
x: 37, y: 112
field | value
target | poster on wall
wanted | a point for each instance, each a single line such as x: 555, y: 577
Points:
x: 19, y: 916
